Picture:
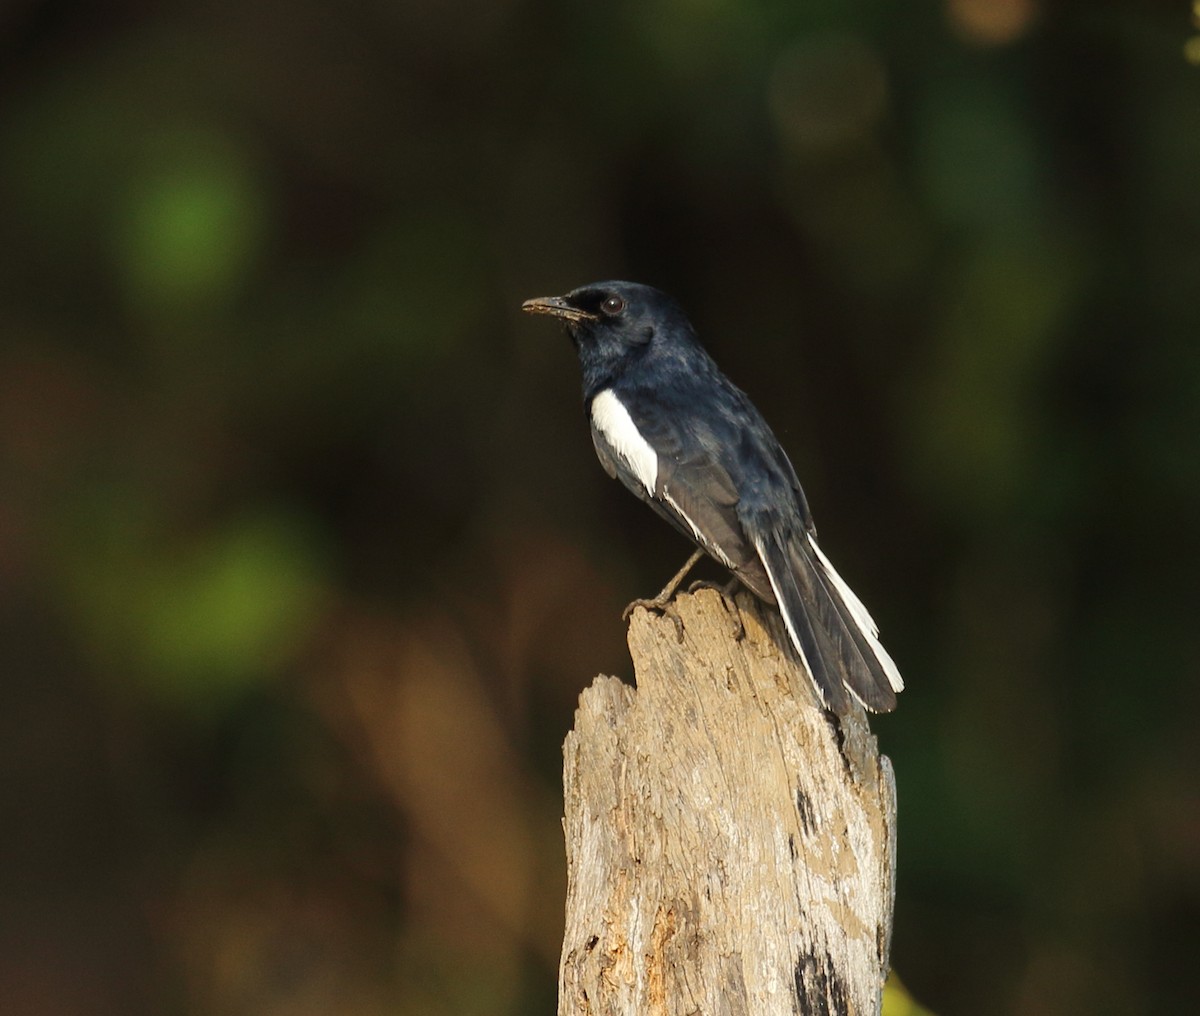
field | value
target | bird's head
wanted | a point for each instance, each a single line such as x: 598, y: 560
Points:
x: 613, y: 322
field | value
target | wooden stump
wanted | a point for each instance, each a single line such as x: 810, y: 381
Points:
x: 730, y: 845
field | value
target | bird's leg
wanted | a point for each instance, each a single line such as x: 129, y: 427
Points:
x: 660, y: 602
x: 662, y: 599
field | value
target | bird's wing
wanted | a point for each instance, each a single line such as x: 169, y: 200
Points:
x: 694, y: 476
x: 680, y: 475
x: 828, y: 624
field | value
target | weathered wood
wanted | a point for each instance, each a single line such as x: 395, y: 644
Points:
x: 730, y: 847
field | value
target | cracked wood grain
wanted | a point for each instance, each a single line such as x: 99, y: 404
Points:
x: 730, y: 845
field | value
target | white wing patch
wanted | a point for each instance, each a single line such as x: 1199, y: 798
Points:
x: 612, y: 419
x: 863, y: 619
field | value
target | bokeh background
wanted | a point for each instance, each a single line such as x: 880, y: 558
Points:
x: 305, y: 555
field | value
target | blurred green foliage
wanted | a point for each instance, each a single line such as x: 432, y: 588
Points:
x: 203, y: 618
x: 189, y: 231
x: 304, y: 555
x: 898, y: 1002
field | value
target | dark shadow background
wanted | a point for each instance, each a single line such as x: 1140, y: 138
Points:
x: 305, y: 555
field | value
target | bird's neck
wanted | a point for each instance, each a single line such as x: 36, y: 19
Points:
x: 602, y: 371
x: 595, y: 380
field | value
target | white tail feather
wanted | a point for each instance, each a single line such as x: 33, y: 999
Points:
x: 861, y: 617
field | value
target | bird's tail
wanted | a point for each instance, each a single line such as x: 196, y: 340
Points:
x: 829, y: 626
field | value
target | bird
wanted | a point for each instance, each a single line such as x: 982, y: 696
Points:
x: 669, y: 425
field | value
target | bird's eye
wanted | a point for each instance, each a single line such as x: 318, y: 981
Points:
x: 612, y: 305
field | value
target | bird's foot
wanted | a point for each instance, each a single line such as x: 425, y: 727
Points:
x: 725, y: 591
x: 660, y: 604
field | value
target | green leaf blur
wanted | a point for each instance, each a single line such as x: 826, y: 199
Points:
x: 189, y: 228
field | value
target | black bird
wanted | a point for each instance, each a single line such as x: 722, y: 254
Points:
x: 671, y: 427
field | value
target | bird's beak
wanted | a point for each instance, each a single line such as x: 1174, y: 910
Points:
x: 556, y: 306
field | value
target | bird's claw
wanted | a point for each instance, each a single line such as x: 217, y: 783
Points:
x: 725, y: 591
x: 718, y: 587
x: 659, y: 605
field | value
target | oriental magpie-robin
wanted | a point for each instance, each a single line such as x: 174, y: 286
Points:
x: 671, y: 427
